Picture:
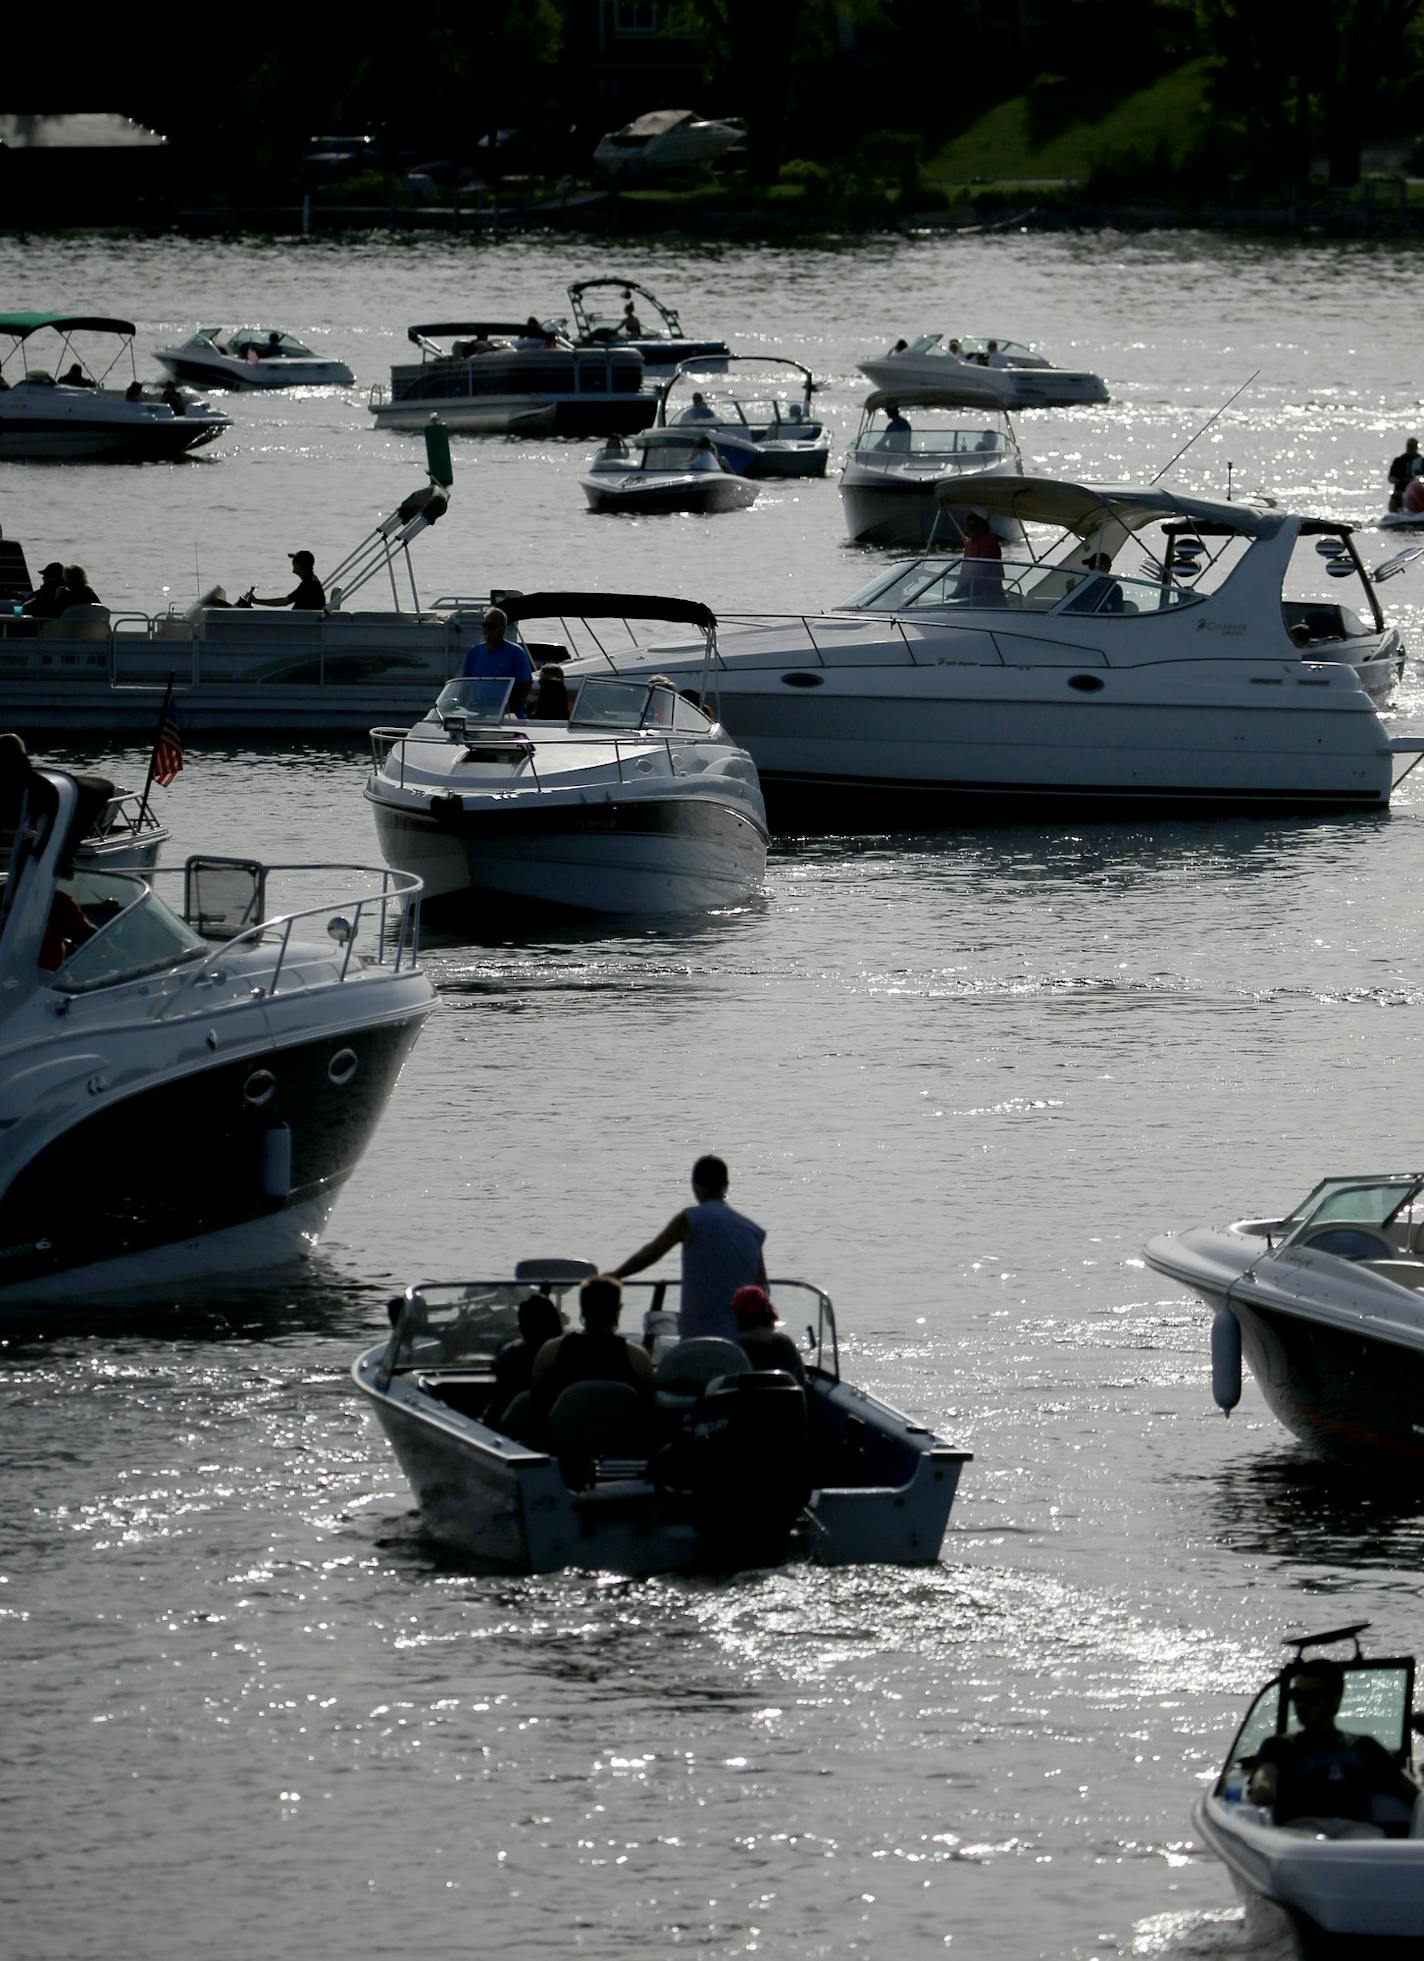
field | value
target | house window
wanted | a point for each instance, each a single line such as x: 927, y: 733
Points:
x: 636, y: 16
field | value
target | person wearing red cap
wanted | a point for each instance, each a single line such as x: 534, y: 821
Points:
x: 721, y: 1251
x: 761, y: 1336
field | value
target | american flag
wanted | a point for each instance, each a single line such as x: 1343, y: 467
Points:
x: 168, y: 755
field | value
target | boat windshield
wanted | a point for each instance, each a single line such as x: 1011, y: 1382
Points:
x: 1377, y: 1702
x: 968, y: 344
x: 634, y: 705
x: 260, y: 341
x: 662, y: 456
x: 474, y: 698
x: 934, y: 585
x: 971, y: 442
x: 135, y: 932
x: 1358, y: 1202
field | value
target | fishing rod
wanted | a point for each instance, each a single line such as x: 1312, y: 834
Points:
x: 1205, y: 426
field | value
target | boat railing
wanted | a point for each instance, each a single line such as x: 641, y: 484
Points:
x: 440, y: 1323
x: 385, y: 742
x: 393, y: 905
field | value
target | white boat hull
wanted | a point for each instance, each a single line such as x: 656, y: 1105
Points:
x: 1347, y: 1889
x: 225, y: 371
x: 42, y: 423
x: 1006, y: 388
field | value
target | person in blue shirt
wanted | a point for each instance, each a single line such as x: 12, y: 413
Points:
x: 500, y: 656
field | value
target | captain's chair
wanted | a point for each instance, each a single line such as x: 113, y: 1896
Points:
x: 685, y: 1371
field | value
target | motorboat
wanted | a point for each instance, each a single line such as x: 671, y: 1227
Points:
x: 1005, y: 372
x: 761, y: 430
x: 732, y: 1467
x: 1325, y: 1303
x: 1179, y: 684
x: 1335, y: 1883
x: 638, y: 803
x: 183, y: 1093
x: 270, y: 670
x: 69, y: 413
x: 667, y: 139
x: 124, y: 834
x: 251, y: 357
x: 664, y: 471
x: 894, y: 469
x: 642, y: 322
x: 498, y: 378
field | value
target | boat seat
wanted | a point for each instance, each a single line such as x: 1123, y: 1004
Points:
x: 593, y: 1421
x: 77, y: 623
x: 686, y: 1370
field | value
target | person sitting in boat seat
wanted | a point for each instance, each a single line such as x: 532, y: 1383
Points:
x: 614, y: 449
x: 704, y: 456
x: 1319, y: 1771
x: 77, y: 589
x: 539, y: 1321
x: 595, y: 1352
x: 173, y: 395
x: 994, y: 359
x: 134, y: 392
x: 308, y: 594
x: 632, y: 325
x: 698, y: 409
x: 75, y: 377
x: 897, y: 431
x: 552, y: 702
x: 498, y: 655
x: 274, y: 350
x: 662, y: 702
x: 762, y: 1337
x: 1098, y: 593
x: 47, y: 601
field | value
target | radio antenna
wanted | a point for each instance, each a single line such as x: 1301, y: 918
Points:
x: 1205, y: 426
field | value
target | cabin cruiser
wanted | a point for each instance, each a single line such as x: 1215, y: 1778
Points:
x: 663, y: 471
x: 637, y: 803
x: 1327, y: 1303
x: 643, y: 323
x: 183, y: 1093
x: 251, y: 357
x: 761, y: 430
x: 1004, y: 372
x: 68, y: 412
x: 667, y: 139
x: 731, y: 1467
x: 500, y: 378
x: 277, y: 671
x: 1336, y: 1882
x: 894, y: 469
x: 1039, y: 679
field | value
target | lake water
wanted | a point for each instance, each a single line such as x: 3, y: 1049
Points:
x: 959, y: 1077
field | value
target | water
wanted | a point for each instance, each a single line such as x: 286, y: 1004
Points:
x: 959, y: 1077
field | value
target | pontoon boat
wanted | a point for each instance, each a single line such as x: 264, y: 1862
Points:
x: 496, y: 378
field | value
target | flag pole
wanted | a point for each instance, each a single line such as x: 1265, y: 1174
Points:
x: 153, y: 754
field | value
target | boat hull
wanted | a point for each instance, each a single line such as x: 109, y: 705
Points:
x: 653, y: 854
x: 35, y: 440
x: 694, y: 493
x: 1006, y: 388
x: 1335, y: 1892
x: 245, y: 375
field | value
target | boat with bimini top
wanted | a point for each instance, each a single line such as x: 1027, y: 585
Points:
x: 762, y: 429
x: 725, y: 1466
x: 68, y: 411
x: 644, y: 323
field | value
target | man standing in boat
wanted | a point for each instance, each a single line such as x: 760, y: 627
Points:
x: 501, y: 658
x: 721, y: 1251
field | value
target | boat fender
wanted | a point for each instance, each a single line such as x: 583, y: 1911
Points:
x: 277, y: 1161
x: 1225, y: 1360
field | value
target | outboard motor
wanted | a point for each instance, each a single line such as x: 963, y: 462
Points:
x: 749, y: 1466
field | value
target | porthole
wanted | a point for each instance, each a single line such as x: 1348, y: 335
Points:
x: 802, y: 680
x: 342, y: 1067
x: 1086, y: 684
x: 259, y: 1089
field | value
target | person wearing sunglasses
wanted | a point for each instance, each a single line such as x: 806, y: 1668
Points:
x: 1320, y: 1772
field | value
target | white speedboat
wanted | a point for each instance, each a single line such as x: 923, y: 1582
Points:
x: 639, y: 803
x: 1341, y: 1885
x: 1177, y: 684
x: 665, y: 471
x: 1005, y: 372
x: 667, y: 139
x: 1327, y: 1303
x: 895, y: 468
x: 183, y: 1095
x: 66, y: 411
x: 250, y: 357
x: 267, y: 670
x: 642, y: 322
x: 732, y: 1467
x: 498, y: 378
x: 761, y: 429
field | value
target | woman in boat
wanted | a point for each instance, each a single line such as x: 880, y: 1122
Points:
x: 551, y: 701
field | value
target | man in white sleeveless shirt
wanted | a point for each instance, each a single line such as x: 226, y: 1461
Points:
x: 721, y: 1251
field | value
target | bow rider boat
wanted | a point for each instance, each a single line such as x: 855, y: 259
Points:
x: 497, y: 378
x: 894, y: 470
x: 251, y: 357
x: 663, y: 345
x: 1035, y: 678
x: 662, y: 472
x: 66, y: 411
x: 1337, y: 1881
x: 760, y: 430
x: 1327, y: 1304
x: 182, y: 1095
x: 637, y: 803
x: 726, y: 1466
x: 1004, y: 372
